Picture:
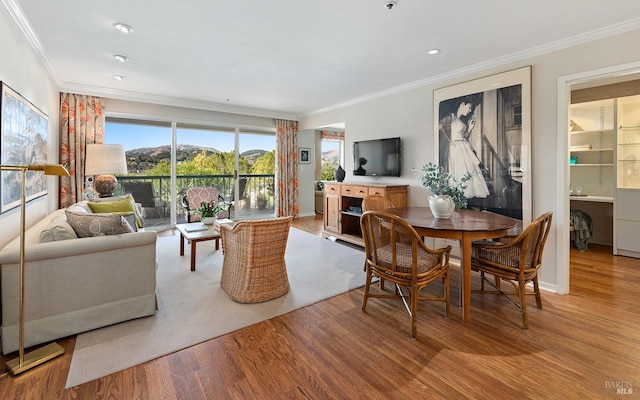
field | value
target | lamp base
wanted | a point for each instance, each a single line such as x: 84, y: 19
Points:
x: 105, y: 185
x: 35, y: 358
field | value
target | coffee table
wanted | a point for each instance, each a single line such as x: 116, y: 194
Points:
x: 195, y: 236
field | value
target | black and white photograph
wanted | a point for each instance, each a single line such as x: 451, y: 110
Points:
x: 304, y: 156
x: 483, y: 129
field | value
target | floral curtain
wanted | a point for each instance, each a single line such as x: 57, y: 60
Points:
x: 81, y: 123
x: 287, y: 168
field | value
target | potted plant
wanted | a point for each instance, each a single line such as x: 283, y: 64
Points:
x: 447, y: 190
x: 209, y: 211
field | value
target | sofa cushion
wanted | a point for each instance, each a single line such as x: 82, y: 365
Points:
x: 98, y: 224
x: 80, y: 208
x: 59, y: 229
x: 123, y: 204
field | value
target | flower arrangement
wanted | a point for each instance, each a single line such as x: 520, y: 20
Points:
x: 209, y: 209
x: 443, y: 183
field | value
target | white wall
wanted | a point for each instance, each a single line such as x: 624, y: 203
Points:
x: 21, y: 69
x: 306, y: 173
x: 409, y: 114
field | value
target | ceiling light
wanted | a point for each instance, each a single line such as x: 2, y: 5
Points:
x: 433, y: 51
x: 124, y: 28
x: 121, y: 58
x: 119, y: 77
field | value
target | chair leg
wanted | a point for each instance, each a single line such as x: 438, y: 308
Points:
x: 523, y: 304
x: 446, y: 295
x: 366, y: 289
x: 536, y: 290
x: 414, y: 312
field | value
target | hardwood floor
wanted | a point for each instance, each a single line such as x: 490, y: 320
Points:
x: 582, y: 345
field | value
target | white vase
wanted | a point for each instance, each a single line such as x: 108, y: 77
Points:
x: 208, y: 220
x: 441, y: 206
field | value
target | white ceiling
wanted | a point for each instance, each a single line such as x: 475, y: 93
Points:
x: 296, y: 56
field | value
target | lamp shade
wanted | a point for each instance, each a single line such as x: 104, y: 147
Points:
x: 105, y: 159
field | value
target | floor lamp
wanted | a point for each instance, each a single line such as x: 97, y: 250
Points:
x: 52, y: 350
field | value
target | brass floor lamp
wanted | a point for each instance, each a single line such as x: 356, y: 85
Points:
x: 52, y: 350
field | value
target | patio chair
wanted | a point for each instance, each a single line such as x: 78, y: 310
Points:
x: 394, y: 251
x: 143, y: 194
x: 230, y: 205
x: 194, y: 198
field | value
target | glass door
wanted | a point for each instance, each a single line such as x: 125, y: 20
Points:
x: 255, y: 183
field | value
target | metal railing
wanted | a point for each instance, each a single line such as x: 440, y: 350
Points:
x: 259, y: 194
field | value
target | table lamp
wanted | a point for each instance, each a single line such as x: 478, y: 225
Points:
x: 105, y: 160
x: 52, y: 350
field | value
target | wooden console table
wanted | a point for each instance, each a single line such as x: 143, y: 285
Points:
x: 343, y: 207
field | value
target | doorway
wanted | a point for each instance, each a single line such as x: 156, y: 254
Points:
x: 610, y: 75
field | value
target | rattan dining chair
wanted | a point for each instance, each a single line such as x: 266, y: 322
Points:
x: 515, y: 259
x: 253, y: 267
x: 394, y: 251
x: 376, y: 202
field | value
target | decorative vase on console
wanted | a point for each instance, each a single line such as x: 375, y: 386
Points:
x: 339, y: 174
x: 447, y: 190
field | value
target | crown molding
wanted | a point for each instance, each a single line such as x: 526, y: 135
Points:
x: 174, y: 101
x: 518, y: 56
x: 18, y: 16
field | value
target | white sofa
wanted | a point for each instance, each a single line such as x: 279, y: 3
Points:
x: 77, y: 284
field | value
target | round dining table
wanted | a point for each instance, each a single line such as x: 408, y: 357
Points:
x: 464, y: 225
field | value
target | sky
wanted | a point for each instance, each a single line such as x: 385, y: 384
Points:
x: 137, y: 136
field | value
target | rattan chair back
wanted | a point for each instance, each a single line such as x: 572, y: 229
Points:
x: 253, y: 268
x: 376, y: 202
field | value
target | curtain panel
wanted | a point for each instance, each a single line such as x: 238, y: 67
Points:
x: 81, y: 123
x: 287, y: 168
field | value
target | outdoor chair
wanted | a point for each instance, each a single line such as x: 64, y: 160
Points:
x: 515, y: 259
x: 394, y: 251
x: 194, y: 198
x: 253, y: 268
x: 143, y: 194
x: 230, y: 205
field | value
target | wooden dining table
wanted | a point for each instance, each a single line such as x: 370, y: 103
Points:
x: 464, y: 225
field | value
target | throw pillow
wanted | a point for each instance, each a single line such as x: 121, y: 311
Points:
x: 98, y: 224
x: 59, y: 229
x: 121, y: 205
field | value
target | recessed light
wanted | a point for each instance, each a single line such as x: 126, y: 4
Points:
x: 118, y: 77
x: 121, y: 58
x: 124, y: 28
x: 433, y: 51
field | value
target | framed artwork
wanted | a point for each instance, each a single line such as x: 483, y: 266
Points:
x: 23, y: 140
x: 304, y: 155
x: 483, y: 127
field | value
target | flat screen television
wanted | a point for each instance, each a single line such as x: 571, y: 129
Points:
x: 379, y: 157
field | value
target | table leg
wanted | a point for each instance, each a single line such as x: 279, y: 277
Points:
x: 217, y: 244
x: 465, y: 273
x: 181, y: 244
x: 193, y: 255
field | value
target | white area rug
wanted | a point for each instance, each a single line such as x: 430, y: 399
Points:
x: 192, y: 307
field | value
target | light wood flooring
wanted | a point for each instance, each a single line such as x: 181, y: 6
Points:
x: 582, y: 345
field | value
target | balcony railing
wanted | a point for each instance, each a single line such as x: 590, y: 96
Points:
x: 258, y: 198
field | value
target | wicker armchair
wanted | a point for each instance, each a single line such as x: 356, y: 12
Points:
x: 515, y: 259
x: 394, y: 251
x: 254, y: 269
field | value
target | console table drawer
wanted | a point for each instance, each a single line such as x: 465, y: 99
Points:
x: 332, y: 188
x: 355, y: 191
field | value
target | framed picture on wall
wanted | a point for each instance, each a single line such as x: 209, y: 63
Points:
x: 23, y: 140
x: 304, y: 155
x: 483, y: 127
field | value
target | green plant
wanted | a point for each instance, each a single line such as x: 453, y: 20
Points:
x: 209, y: 209
x: 444, y: 183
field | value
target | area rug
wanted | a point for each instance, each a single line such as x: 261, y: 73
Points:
x: 192, y: 307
